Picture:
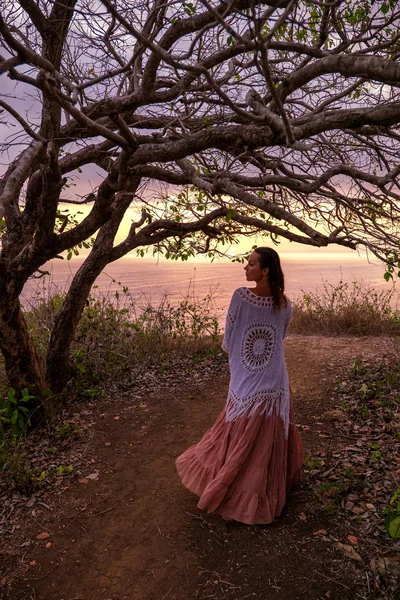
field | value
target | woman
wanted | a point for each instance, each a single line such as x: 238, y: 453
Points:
x: 246, y: 463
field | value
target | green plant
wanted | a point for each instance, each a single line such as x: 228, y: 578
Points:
x: 119, y: 334
x: 372, y: 388
x: 63, y: 430
x: 14, y: 466
x: 13, y: 411
x: 344, y: 405
x: 344, y: 480
x: 311, y: 463
x: 363, y: 412
x: 78, y: 357
x: 392, y: 518
x: 62, y: 469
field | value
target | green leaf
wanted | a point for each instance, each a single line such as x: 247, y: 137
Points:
x: 230, y: 214
x: 385, y: 8
x: 14, y: 417
x: 21, y: 422
x: 392, y: 525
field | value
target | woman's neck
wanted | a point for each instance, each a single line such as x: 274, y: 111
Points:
x: 262, y: 289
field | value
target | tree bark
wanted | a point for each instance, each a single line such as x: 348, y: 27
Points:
x: 58, y: 368
x: 21, y: 359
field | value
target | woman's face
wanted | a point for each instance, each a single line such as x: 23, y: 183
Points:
x: 253, y: 270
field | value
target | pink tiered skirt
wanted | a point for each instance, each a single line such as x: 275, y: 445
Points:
x: 244, y: 469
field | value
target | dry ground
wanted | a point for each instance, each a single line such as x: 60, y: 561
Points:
x: 131, y: 531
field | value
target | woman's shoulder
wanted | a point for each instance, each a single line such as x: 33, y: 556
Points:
x: 239, y: 292
x: 247, y: 295
x: 237, y: 296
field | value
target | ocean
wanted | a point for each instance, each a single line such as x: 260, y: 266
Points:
x: 147, y: 281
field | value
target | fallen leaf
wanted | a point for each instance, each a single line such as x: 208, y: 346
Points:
x: 83, y: 480
x: 352, y: 539
x: 348, y: 551
x: 49, y: 545
x: 302, y: 516
x: 43, y: 536
x: 334, y: 415
x: 388, y: 566
x: 93, y: 476
x: 357, y: 510
x: 117, y: 418
x: 33, y: 563
x: 320, y: 532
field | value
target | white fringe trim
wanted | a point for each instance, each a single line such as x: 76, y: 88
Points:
x: 278, y: 400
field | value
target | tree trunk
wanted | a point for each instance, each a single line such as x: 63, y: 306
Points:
x: 58, y: 368
x: 21, y: 360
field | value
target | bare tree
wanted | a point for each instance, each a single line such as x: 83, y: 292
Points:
x: 279, y: 116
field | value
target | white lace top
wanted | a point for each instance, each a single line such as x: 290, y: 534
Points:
x: 254, y: 334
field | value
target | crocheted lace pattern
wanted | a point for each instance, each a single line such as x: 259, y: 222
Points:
x: 258, y: 346
x: 269, y: 400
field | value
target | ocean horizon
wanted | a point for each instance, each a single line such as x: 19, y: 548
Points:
x: 147, y: 280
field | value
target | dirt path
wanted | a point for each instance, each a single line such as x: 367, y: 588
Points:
x: 134, y: 532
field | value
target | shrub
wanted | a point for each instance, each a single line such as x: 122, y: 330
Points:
x: 119, y: 334
x: 113, y: 338
x: 345, y: 309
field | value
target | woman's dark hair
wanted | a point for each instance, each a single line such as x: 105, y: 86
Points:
x: 269, y: 258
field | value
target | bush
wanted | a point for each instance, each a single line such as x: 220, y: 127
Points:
x: 119, y: 334
x: 345, y: 309
x: 112, y: 339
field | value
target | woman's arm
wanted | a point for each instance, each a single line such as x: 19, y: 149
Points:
x: 230, y: 321
x: 288, y: 317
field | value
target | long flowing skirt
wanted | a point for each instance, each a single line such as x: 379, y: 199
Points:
x: 244, y: 469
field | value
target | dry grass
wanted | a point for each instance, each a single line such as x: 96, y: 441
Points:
x: 345, y: 309
x: 118, y: 335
